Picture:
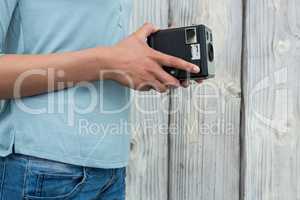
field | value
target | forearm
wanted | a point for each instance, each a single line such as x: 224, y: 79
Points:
x: 65, y: 68
x: 131, y: 62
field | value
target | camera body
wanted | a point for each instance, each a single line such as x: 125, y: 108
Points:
x: 193, y: 44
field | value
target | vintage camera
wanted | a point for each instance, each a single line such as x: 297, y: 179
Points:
x: 193, y: 44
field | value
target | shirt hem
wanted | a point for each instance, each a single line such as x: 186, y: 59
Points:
x: 92, y: 163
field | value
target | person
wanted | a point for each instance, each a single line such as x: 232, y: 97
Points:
x: 66, y: 69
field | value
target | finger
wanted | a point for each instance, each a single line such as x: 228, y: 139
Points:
x: 158, y: 86
x: 145, y: 88
x: 199, y: 81
x: 153, y: 84
x: 171, y: 61
x: 146, y: 30
x: 185, y: 84
x: 164, y: 77
x: 142, y: 86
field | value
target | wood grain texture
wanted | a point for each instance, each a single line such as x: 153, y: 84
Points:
x: 147, y: 177
x: 205, y: 119
x: 271, y: 157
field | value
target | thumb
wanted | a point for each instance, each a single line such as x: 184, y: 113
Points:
x: 146, y: 30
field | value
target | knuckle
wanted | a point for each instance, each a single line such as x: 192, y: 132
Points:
x: 175, y: 82
x: 154, y: 55
x: 176, y: 62
x: 156, y: 86
x: 148, y: 25
x: 151, y: 53
x: 170, y: 60
x: 163, y: 90
x: 169, y: 80
x: 160, y: 90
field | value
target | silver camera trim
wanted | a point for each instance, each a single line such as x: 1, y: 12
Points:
x: 211, y: 64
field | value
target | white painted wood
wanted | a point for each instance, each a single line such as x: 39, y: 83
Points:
x: 205, y: 119
x: 271, y: 158
x: 147, y: 174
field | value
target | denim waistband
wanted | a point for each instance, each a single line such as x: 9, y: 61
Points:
x: 44, y: 165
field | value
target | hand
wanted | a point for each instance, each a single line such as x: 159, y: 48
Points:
x: 138, y: 66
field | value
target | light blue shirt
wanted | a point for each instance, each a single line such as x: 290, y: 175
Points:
x: 86, y: 125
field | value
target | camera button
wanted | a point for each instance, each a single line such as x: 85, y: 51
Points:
x: 173, y: 72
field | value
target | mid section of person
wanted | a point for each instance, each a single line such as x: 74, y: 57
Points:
x: 66, y: 69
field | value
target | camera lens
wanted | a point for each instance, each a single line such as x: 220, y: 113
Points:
x: 210, y: 52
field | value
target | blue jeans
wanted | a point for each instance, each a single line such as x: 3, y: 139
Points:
x: 25, y: 177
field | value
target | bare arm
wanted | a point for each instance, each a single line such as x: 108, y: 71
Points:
x: 78, y: 66
x: 131, y: 63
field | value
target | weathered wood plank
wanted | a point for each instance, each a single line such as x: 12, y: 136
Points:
x: 205, y: 119
x: 271, y: 159
x: 147, y: 172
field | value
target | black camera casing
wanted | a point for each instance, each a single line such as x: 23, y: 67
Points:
x: 193, y: 44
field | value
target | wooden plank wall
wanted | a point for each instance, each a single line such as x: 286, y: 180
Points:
x: 271, y: 158
x: 199, y: 159
x: 147, y: 174
x: 203, y: 154
x: 205, y: 119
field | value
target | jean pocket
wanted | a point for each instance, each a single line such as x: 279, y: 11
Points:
x: 53, y: 186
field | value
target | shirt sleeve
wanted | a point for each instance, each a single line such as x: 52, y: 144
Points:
x: 7, y: 8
